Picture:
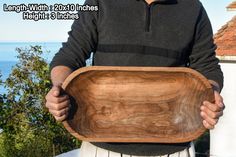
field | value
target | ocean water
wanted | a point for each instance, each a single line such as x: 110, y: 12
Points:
x: 5, y: 69
x: 8, y: 55
x: 8, y: 49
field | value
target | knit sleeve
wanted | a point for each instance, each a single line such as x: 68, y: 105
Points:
x: 81, y: 42
x: 203, y: 57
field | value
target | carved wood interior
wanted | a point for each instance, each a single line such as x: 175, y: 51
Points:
x: 136, y: 104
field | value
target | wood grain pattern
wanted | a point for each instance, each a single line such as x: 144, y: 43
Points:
x: 136, y: 104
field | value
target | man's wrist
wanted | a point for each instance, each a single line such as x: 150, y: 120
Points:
x: 59, y: 74
x: 57, y: 84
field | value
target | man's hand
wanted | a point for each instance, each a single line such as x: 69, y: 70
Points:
x: 58, y: 103
x: 211, y: 112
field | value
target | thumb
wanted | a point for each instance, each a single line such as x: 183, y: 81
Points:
x: 218, y: 99
x: 56, y: 91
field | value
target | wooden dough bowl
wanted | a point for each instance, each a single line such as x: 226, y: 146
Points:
x: 136, y: 104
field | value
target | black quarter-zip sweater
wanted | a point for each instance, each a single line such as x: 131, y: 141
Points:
x: 166, y: 33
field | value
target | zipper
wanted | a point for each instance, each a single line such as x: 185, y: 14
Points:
x: 148, y: 18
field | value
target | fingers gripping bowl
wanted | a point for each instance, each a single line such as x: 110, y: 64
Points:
x: 136, y: 104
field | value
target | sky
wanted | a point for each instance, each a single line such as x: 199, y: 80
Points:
x: 14, y: 29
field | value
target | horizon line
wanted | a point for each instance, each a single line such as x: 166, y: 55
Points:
x: 24, y: 41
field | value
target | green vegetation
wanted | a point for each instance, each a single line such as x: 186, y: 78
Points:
x: 28, y: 128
